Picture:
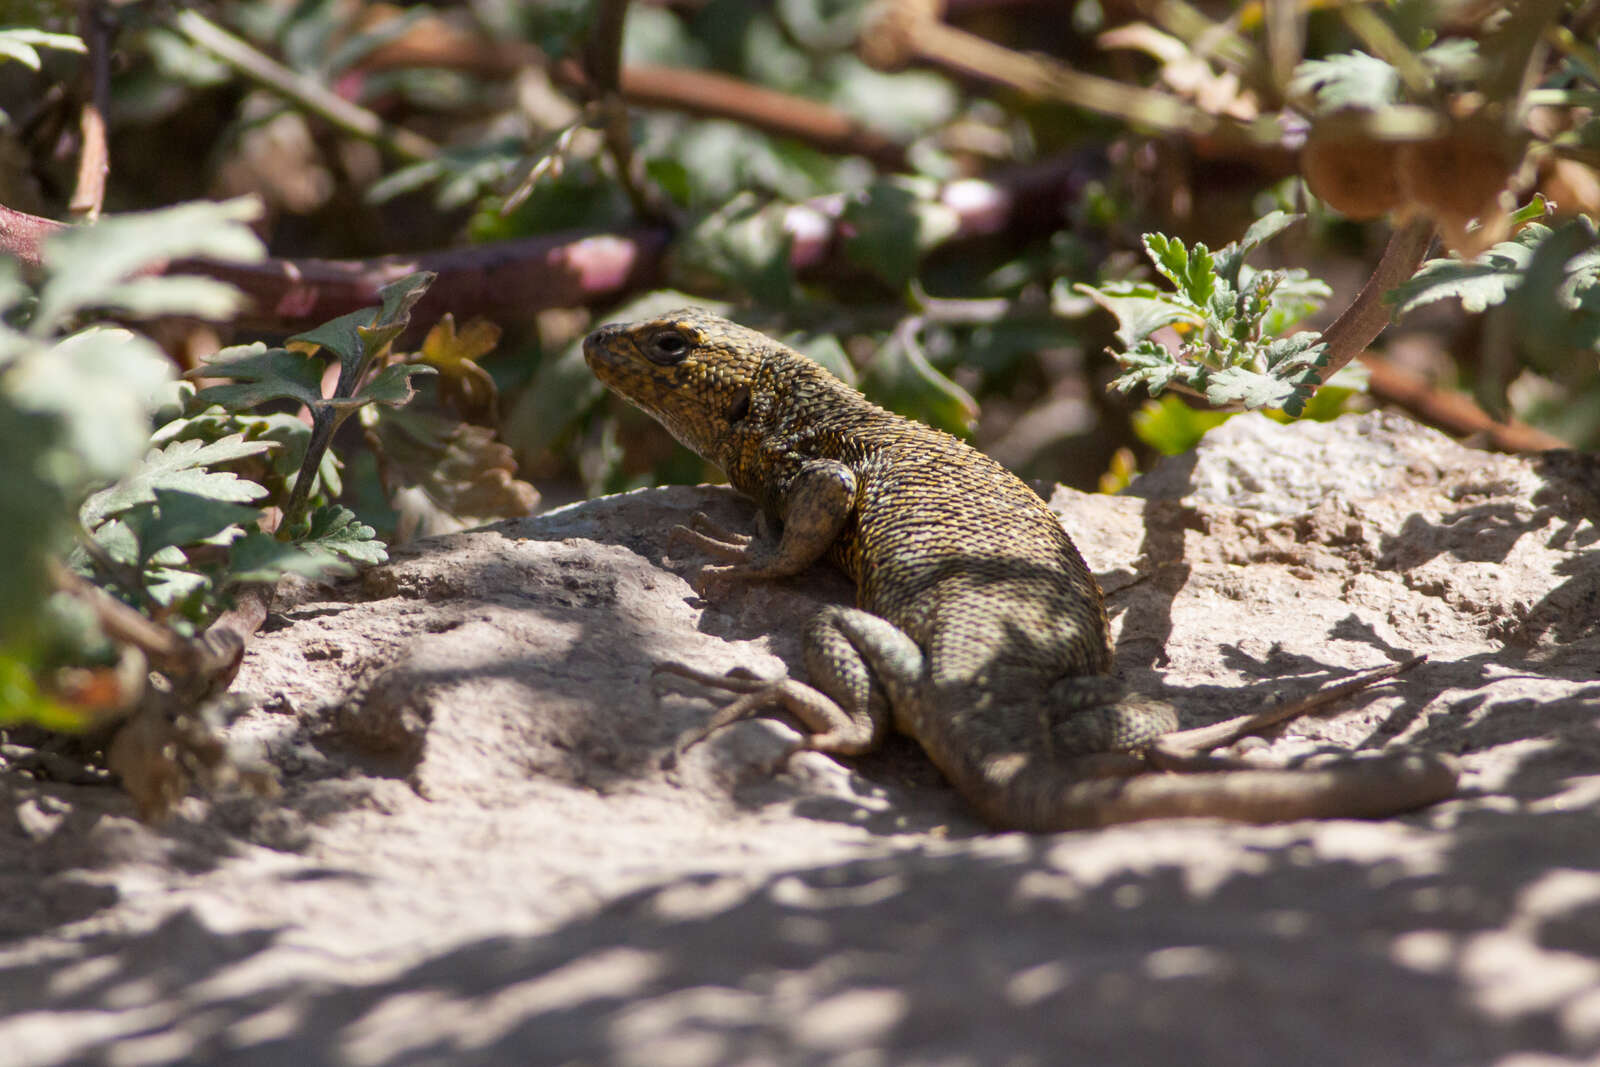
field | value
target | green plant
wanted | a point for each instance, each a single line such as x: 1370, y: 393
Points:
x: 131, y: 546
x: 1229, y: 322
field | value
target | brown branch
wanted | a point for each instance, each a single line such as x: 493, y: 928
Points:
x: 94, y: 161
x: 437, y: 43
x: 1450, y: 411
x: 907, y: 30
x: 1360, y: 323
x: 602, y: 65
x: 511, y: 281
x: 301, y: 90
x: 703, y: 93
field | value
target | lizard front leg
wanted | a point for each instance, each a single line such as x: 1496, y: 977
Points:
x: 816, y: 505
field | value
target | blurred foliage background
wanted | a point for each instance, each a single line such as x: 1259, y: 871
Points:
x: 731, y: 112
x: 938, y: 202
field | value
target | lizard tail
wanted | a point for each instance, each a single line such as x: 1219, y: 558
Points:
x: 1036, y: 798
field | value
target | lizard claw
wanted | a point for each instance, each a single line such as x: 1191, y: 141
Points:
x: 714, y: 581
x: 756, y: 693
x: 701, y: 523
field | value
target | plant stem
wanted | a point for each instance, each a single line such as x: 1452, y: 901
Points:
x: 301, y: 90
x: 1367, y: 315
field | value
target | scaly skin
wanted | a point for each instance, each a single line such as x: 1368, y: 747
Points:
x: 979, y: 631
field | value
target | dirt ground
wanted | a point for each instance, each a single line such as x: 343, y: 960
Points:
x: 484, y: 851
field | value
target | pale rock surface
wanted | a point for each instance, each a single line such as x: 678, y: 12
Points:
x: 486, y: 852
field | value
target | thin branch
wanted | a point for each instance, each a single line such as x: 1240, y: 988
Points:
x: 711, y: 95
x: 511, y: 281
x: 602, y: 63
x: 1450, y: 411
x: 1360, y: 323
x: 301, y: 90
x: 909, y: 30
x: 94, y: 161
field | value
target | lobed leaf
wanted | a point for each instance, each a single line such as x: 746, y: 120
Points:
x: 260, y: 557
x: 1479, y: 283
x: 1140, y: 309
x: 101, y: 385
x: 87, y: 265
x: 263, y: 374
x: 1347, y: 80
x: 179, y: 466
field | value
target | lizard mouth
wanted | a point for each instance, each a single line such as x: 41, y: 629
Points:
x: 600, y: 350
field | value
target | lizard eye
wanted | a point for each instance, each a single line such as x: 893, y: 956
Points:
x: 667, y: 347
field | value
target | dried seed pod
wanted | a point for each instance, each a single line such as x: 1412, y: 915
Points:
x: 1459, y: 175
x: 1352, y: 172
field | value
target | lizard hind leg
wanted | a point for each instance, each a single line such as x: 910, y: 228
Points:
x: 848, y: 653
x: 1094, y: 714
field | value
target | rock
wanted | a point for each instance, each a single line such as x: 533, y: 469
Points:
x: 487, y: 850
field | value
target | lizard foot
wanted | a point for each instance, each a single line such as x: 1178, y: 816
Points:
x: 1189, y: 750
x: 828, y: 729
x: 709, y: 537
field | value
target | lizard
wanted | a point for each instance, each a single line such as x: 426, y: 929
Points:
x: 978, y: 629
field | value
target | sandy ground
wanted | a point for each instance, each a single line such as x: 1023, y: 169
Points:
x: 484, y: 853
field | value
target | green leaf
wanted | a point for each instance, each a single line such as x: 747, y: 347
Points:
x: 891, y: 226
x: 93, y: 266
x: 1140, y: 309
x: 21, y: 700
x: 341, y: 336
x: 22, y: 53
x: 260, y: 557
x: 903, y: 105
x: 166, y: 586
x: 101, y: 384
x: 899, y: 377
x: 397, y: 299
x: 337, y: 530
x: 1192, y: 271
x: 196, y: 297
x: 1150, y: 365
x: 13, y: 291
x: 264, y: 374
x: 1171, y: 426
x: 392, y: 385
x: 1532, y: 211
x: 179, y: 466
x: 1238, y: 385
x: 119, y: 541
x: 1348, y: 80
x: 1478, y: 283
x: 1230, y: 260
x: 825, y: 349
x: 22, y: 45
x: 745, y: 245
x: 563, y: 388
x: 357, y: 338
x: 181, y: 518
x: 1557, y: 308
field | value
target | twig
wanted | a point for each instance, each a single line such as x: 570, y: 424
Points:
x: 1450, y: 411
x: 437, y: 43
x: 706, y: 93
x: 301, y: 90
x: 1360, y: 323
x: 203, y: 665
x: 602, y: 62
x: 911, y: 29
x: 511, y: 281
x: 94, y: 161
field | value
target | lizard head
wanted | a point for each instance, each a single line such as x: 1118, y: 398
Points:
x: 690, y: 370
